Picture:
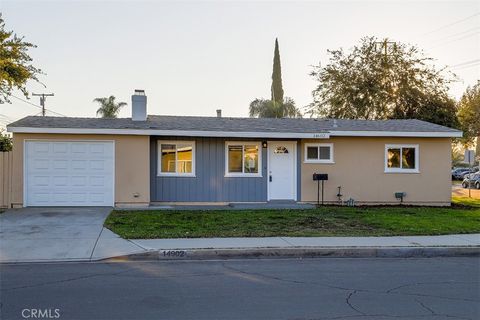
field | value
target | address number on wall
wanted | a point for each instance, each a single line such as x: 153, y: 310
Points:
x: 321, y: 135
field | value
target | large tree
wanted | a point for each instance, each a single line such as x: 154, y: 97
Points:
x: 278, y: 106
x: 15, y: 63
x: 469, y: 115
x: 381, y: 79
x: 109, y: 108
x: 277, y: 86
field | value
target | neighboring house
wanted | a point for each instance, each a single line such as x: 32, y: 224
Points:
x: 63, y: 161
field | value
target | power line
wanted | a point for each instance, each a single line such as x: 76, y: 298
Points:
x: 455, y: 40
x: 458, y: 34
x: 468, y: 66
x: 465, y: 63
x: 58, y: 114
x: 5, y: 117
x: 453, y: 23
x: 37, y: 106
x: 26, y: 101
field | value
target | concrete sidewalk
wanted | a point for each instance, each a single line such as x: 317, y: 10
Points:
x: 300, y: 247
x: 463, y: 240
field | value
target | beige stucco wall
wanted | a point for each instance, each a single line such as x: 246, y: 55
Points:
x: 359, y: 169
x: 132, y: 165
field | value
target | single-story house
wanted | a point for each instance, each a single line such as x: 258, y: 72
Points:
x: 66, y: 161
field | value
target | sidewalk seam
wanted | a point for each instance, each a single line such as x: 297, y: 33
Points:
x: 95, y: 246
x: 290, y: 244
x: 413, y: 244
x: 133, y: 242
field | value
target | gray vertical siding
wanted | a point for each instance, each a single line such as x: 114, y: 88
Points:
x: 210, y: 183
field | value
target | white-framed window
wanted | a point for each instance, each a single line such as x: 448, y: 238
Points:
x: 318, y: 153
x: 243, y: 159
x: 401, y: 158
x: 176, y: 158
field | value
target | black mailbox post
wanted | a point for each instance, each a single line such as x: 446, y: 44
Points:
x: 320, y: 177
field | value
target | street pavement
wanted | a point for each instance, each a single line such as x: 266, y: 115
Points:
x: 297, y: 289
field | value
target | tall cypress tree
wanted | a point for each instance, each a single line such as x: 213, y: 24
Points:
x: 277, y: 88
x: 277, y: 106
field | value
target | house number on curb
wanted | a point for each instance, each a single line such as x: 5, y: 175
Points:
x: 175, y: 253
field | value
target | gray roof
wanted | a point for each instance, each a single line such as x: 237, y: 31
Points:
x: 189, y: 123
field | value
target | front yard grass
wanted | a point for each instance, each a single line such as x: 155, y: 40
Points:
x: 466, y: 201
x: 325, y: 221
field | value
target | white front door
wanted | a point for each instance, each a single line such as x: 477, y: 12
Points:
x: 69, y: 173
x: 282, y: 170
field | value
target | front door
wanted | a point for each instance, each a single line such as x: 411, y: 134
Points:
x: 282, y: 170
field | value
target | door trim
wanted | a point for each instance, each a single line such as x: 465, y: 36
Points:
x: 24, y: 196
x: 295, y: 164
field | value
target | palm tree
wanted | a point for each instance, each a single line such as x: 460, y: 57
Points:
x: 108, y: 107
x: 263, y: 108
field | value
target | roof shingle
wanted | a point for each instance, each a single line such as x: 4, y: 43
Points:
x: 196, y: 123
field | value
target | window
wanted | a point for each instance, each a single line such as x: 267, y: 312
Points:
x: 318, y: 152
x: 243, y: 159
x: 401, y: 158
x: 281, y: 149
x: 176, y: 158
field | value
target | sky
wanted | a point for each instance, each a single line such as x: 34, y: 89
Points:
x: 192, y: 58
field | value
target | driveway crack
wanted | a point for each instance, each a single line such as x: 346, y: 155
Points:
x: 95, y: 245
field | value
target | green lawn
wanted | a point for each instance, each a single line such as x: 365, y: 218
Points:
x: 325, y: 221
x: 466, y: 201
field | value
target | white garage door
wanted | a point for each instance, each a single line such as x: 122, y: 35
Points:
x: 69, y: 173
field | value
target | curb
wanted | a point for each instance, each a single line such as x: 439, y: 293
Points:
x: 302, y: 252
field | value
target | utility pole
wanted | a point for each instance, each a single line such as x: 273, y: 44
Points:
x: 42, y: 100
x: 385, y: 46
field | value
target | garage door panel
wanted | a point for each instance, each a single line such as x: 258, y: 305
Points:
x: 97, y: 164
x: 60, y: 181
x: 60, y: 164
x: 60, y: 147
x: 42, y: 147
x: 41, y: 164
x: 68, y: 173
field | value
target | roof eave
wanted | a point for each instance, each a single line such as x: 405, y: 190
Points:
x: 238, y: 134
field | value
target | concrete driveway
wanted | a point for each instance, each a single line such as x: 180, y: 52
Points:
x: 59, y: 234
x: 459, y: 191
